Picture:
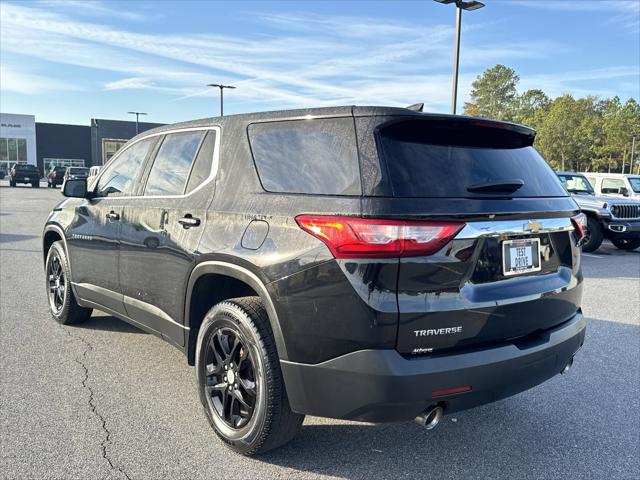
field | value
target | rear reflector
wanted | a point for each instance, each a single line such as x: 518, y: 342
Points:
x: 580, y: 225
x: 450, y: 391
x: 353, y: 237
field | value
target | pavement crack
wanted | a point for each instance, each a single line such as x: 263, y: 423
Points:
x: 104, y: 444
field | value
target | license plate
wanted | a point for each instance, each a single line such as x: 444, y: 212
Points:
x: 521, y: 256
x: 26, y: 179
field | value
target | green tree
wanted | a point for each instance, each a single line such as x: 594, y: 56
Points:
x: 528, y: 105
x: 493, y: 93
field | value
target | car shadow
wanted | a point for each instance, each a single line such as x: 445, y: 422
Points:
x: 109, y: 323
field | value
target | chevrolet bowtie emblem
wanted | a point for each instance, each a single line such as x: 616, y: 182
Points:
x: 533, y: 226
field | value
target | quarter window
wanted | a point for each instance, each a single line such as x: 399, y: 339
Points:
x: 307, y: 156
x: 172, y: 164
x: 119, y: 176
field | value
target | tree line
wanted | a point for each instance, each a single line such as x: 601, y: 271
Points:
x: 577, y: 134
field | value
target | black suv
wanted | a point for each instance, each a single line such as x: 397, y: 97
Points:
x: 614, y: 218
x: 24, y: 173
x: 362, y: 263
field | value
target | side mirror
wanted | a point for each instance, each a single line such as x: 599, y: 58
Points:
x: 624, y: 191
x: 75, y: 188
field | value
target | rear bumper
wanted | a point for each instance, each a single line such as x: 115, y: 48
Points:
x: 383, y: 386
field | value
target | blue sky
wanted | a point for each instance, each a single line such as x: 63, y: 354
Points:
x: 68, y: 61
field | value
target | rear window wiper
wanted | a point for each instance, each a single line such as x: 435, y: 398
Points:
x: 497, y: 186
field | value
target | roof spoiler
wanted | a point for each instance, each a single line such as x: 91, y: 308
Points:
x: 416, y: 107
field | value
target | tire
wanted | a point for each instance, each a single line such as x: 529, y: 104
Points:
x: 241, y: 327
x: 62, y: 302
x: 626, y: 243
x: 594, y: 236
x: 35, y: 185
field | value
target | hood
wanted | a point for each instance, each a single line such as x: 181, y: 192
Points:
x: 601, y: 201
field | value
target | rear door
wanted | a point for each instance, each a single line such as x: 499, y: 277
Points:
x: 161, y: 229
x: 512, y: 269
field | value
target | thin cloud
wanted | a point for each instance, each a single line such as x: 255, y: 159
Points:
x: 30, y: 83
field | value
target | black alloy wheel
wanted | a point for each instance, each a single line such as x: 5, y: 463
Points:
x: 230, y: 377
x: 57, y: 283
x: 62, y: 301
x: 239, y: 378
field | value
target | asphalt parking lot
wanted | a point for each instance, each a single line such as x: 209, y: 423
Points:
x: 106, y: 400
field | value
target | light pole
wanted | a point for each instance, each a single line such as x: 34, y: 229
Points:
x: 221, y: 87
x: 460, y: 5
x: 633, y: 154
x: 137, y: 114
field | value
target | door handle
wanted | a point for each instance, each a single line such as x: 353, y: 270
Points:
x: 113, y: 216
x: 188, y: 221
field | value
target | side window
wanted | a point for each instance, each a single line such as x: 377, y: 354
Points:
x: 172, y: 164
x: 612, y: 185
x: 307, y: 156
x: 120, y: 175
x: 203, y: 164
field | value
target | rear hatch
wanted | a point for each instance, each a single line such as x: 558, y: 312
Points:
x: 510, y: 270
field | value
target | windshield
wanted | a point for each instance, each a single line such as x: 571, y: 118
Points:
x: 635, y: 183
x: 575, y: 183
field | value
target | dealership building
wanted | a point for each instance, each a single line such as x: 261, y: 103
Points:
x: 23, y: 140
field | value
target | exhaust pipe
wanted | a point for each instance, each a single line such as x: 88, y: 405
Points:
x: 567, y: 367
x: 430, y: 418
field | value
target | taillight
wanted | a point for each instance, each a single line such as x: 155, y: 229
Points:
x: 353, y: 237
x: 580, y: 226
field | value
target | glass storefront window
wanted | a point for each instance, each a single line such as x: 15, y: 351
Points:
x: 13, y: 149
x: 4, y: 152
x: 110, y: 147
x: 22, y: 149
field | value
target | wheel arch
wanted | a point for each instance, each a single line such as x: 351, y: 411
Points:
x: 219, y: 272
x: 52, y: 233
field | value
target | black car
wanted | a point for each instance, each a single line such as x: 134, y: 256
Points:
x: 614, y: 218
x: 362, y: 263
x: 24, y: 173
x: 55, y: 176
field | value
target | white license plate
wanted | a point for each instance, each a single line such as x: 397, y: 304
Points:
x: 26, y: 179
x: 521, y: 256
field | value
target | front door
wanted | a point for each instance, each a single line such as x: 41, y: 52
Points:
x: 93, y: 237
x: 161, y: 230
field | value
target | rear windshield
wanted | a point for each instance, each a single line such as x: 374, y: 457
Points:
x: 78, y: 170
x: 427, y: 160
x: 307, y: 156
x: 26, y: 167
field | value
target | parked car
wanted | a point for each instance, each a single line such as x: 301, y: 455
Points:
x: 24, y: 173
x: 617, y: 219
x: 615, y: 184
x: 360, y: 263
x: 55, y: 176
x: 75, y: 173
